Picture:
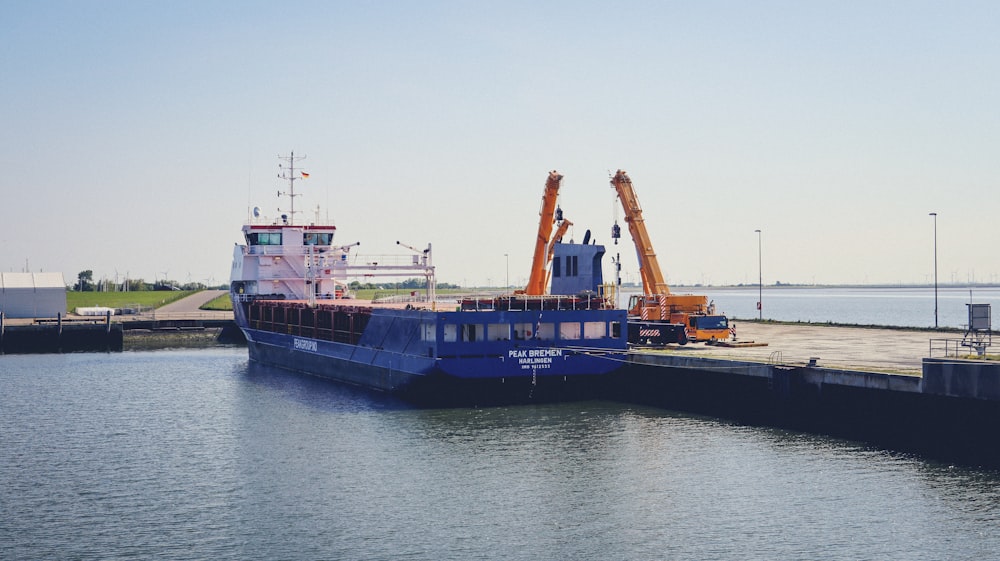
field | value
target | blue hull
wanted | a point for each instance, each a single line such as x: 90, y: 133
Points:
x: 436, y: 358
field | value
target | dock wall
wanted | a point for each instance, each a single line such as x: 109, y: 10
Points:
x: 61, y: 337
x: 103, y: 335
x: 962, y: 378
x: 953, y: 415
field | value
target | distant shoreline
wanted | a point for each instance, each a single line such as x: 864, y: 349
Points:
x: 784, y: 285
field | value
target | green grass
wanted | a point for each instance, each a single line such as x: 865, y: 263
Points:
x: 984, y: 357
x: 221, y: 304
x: 145, y: 298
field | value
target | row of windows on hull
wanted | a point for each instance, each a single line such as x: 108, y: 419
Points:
x: 542, y: 331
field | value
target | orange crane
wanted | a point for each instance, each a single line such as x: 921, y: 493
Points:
x: 657, y: 304
x: 547, y: 217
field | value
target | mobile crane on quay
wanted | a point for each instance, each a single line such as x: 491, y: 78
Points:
x: 658, y: 316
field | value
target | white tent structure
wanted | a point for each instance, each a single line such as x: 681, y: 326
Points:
x: 32, y: 295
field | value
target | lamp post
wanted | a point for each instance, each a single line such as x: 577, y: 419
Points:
x: 934, y: 214
x: 760, y: 280
x: 507, y: 259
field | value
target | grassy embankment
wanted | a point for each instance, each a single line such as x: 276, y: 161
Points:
x: 144, y: 298
x: 220, y: 304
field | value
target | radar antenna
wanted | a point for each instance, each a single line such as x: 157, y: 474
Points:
x: 288, y: 173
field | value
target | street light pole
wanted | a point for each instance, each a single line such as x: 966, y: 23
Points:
x: 934, y: 214
x: 507, y: 259
x: 760, y: 280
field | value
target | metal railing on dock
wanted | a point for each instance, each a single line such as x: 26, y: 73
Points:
x: 952, y: 348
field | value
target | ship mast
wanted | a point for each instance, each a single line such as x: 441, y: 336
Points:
x: 288, y: 173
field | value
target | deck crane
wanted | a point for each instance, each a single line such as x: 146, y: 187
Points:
x: 547, y: 218
x: 423, y: 262
x: 657, y: 305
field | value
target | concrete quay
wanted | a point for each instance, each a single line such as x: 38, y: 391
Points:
x: 875, y: 385
x: 854, y: 348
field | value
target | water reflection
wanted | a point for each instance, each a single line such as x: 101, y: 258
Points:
x: 316, y: 392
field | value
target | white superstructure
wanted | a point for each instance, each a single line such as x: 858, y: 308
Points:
x: 284, y: 260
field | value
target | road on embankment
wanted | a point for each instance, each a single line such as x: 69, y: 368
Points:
x: 192, y: 303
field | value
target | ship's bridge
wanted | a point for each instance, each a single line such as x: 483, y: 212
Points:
x: 266, y: 239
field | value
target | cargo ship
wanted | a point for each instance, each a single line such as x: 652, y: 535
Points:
x: 290, y: 287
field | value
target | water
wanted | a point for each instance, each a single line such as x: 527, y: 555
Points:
x: 196, y: 455
x: 905, y: 307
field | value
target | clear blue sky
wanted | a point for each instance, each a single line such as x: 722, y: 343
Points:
x: 135, y: 133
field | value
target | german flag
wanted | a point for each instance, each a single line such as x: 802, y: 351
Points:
x: 305, y: 175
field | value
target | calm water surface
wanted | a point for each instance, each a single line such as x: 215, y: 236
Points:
x: 905, y: 307
x: 196, y: 455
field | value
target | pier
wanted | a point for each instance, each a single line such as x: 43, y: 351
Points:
x: 65, y: 334
x: 59, y: 335
x: 877, y: 385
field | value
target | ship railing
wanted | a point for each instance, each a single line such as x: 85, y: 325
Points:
x: 322, y: 254
x: 443, y: 302
x: 418, y: 296
x: 269, y: 250
x: 524, y: 302
x: 202, y: 315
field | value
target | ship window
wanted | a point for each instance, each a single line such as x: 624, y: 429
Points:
x: 314, y: 238
x: 498, y: 332
x: 557, y: 266
x: 524, y: 331
x: 472, y: 332
x: 546, y: 331
x: 427, y: 332
x: 594, y: 330
x: 450, y: 333
x: 264, y: 238
x: 569, y: 330
x: 571, y: 265
x: 616, y: 329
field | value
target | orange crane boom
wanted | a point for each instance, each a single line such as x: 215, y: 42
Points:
x: 536, y: 281
x: 653, y: 282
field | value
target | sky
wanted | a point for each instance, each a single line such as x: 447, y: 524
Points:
x: 136, y: 134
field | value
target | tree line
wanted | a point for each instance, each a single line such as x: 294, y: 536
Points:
x: 85, y: 283
x: 408, y: 284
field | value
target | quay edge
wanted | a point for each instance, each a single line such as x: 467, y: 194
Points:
x: 61, y: 335
x: 951, y: 412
